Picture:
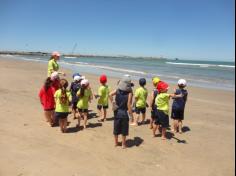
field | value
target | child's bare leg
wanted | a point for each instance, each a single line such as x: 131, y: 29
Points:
x: 64, y: 124
x: 61, y: 125
x: 163, y: 133
x: 104, y: 114
x: 52, y: 117
x: 143, y: 117
x: 154, y: 130
x: 180, y: 124
x: 85, y: 119
x: 100, y: 113
x: 123, y: 142
x: 151, y: 123
x: 116, y: 140
x: 175, y: 126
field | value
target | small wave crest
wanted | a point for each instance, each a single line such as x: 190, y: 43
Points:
x: 200, y: 65
x: 111, y: 68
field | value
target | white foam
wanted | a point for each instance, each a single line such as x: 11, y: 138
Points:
x: 110, y: 68
x: 227, y: 66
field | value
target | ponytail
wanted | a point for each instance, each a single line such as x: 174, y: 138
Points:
x: 63, y: 85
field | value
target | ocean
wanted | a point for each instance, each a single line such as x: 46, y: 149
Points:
x: 206, y: 74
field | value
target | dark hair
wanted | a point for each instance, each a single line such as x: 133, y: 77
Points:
x: 181, y: 86
x: 47, y: 83
x: 63, y: 86
x: 82, y: 90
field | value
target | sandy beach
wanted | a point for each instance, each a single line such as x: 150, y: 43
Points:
x: 29, y: 147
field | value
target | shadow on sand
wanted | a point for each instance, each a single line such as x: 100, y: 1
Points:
x: 137, y: 141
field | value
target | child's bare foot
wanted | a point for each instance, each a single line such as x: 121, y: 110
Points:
x: 163, y: 138
x: 134, y: 124
x: 85, y: 126
x: 124, y: 146
x: 116, y: 144
x: 151, y: 127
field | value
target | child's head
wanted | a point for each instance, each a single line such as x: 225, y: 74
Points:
x: 54, y: 76
x: 142, y: 82
x: 47, y: 83
x: 78, y: 78
x: 84, y: 83
x: 155, y: 81
x: 103, y: 79
x: 63, y: 84
x: 162, y: 87
x: 182, y: 83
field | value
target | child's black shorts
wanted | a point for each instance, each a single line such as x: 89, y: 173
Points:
x: 177, y: 114
x: 162, y: 119
x: 83, y: 110
x: 74, y: 105
x: 61, y: 115
x: 121, y: 126
x: 140, y: 110
x: 99, y: 107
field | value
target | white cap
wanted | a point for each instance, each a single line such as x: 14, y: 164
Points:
x: 85, y: 82
x: 78, y: 78
x: 54, y: 76
x: 182, y: 82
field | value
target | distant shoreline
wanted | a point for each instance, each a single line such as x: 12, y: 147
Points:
x: 39, y: 53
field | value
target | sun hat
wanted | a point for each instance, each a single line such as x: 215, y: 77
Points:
x: 156, y: 80
x: 182, y: 82
x: 162, y: 86
x: 125, y: 84
x: 85, y: 82
x: 103, y: 79
x: 75, y: 74
x: 142, y: 81
x: 78, y: 78
x: 54, y: 76
x: 56, y: 53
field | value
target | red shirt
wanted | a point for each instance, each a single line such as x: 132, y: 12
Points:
x: 56, y: 84
x: 47, y: 98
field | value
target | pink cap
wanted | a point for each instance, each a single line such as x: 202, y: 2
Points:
x: 55, y: 53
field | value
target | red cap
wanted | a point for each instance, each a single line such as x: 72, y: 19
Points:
x: 103, y: 79
x: 162, y: 86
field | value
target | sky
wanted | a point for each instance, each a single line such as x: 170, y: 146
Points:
x: 186, y: 29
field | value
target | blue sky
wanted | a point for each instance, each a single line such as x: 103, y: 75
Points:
x: 188, y: 29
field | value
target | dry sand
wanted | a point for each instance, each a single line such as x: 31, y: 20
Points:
x: 28, y: 146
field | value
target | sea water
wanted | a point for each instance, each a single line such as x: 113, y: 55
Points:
x: 209, y: 74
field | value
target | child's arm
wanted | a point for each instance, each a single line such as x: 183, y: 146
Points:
x: 176, y: 96
x: 130, y: 103
x: 151, y: 100
x: 113, y: 93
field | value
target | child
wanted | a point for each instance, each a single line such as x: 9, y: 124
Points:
x: 140, y: 101
x: 103, y: 95
x: 162, y: 103
x: 85, y: 96
x: 74, y: 88
x: 122, y: 107
x: 153, y: 107
x: 62, y: 98
x: 46, y: 96
x: 178, y: 106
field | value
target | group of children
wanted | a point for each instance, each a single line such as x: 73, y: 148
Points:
x: 58, y: 101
